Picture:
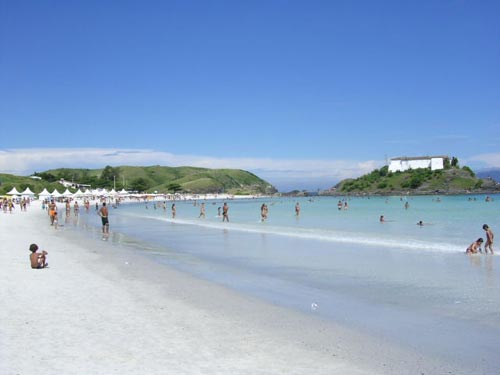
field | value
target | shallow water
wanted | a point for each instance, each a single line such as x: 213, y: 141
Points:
x: 410, y: 284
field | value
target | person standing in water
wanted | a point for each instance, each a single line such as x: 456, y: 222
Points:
x: 297, y: 209
x: 103, y: 213
x: 263, y: 212
x: 225, y: 212
x: 202, y: 211
x: 489, y: 239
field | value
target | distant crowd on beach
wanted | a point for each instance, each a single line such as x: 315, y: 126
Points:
x: 38, y: 259
x: 8, y: 205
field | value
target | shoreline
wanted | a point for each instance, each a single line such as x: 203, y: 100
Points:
x: 102, y: 308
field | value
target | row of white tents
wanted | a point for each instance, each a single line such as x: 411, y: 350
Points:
x: 78, y: 194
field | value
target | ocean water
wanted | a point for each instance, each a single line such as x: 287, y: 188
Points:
x: 397, y: 280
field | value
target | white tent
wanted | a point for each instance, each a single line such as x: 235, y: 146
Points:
x: 13, y: 192
x: 44, y: 194
x: 123, y: 192
x: 56, y: 194
x: 101, y: 192
x: 113, y: 192
x: 27, y: 193
x: 67, y: 193
x: 78, y: 193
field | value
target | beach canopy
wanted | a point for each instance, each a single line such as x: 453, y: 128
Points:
x: 101, y: 192
x: 44, y: 193
x: 28, y: 192
x: 67, y: 193
x: 13, y: 192
x: 123, y: 192
x: 55, y: 193
x: 78, y: 193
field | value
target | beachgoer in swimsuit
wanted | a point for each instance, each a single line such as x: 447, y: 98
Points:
x: 103, y: 213
x: 474, y: 247
x: 225, y: 209
x: 489, y: 239
x: 38, y: 260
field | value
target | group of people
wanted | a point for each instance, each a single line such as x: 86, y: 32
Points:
x: 475, y: 247
x: 7, y: 205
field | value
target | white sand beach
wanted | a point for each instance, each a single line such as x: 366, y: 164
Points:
x: 100, y: 310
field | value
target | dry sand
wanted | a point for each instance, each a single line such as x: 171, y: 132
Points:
x: 101, y: 309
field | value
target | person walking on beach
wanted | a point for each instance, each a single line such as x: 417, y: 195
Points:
x: 489, y: 239
x: 173, y: 211
x: 52, y: 211
x: 68, y: 208
x: 225, y: 210
x: 54, y: 220
x: 103, y: 213
x: 297, y: 209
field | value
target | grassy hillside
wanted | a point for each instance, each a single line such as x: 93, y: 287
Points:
x: 8, y: 181
x: 148, y: 179
x: 418, y: 181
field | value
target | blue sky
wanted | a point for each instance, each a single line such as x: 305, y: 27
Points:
x: 302, y: 93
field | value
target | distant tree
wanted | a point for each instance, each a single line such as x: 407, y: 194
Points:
x: 174, y: 188
x: 109, y: 175
x: 454, y: 162
x: 139, y: 184
x: 471, y: 172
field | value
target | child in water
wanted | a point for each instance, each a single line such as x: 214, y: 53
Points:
x: 474, y: 247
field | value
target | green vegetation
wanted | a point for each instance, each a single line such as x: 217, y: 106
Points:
x: 452, y: 179
x: 146, y: 179
x: 8, y: 181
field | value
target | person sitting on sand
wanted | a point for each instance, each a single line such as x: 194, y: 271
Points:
x: 474, y: 247
x: 38, y: 260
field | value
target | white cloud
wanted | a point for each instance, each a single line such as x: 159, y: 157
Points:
x: 283, y: 173
x: 488, y: 160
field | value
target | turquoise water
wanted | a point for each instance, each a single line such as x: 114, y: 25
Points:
x: 408, y: 283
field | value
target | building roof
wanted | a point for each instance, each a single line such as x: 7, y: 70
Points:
x: 420, y: 157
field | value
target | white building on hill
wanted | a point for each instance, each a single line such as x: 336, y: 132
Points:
x: 404, y: 163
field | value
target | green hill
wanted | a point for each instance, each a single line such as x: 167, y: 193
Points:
x: 147, y: 179
x: 453, y: 180
x: 8, y: 181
